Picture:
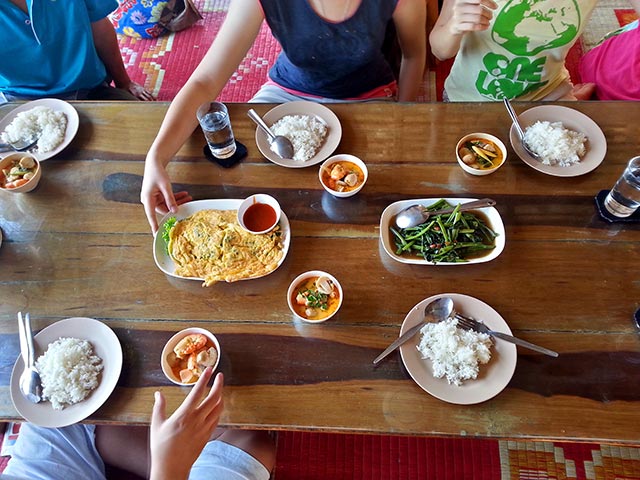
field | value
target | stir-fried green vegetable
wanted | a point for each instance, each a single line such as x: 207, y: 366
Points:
x: 166, y: 228
x: 451, y: 237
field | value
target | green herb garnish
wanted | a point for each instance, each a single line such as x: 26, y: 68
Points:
x: 166, y: 228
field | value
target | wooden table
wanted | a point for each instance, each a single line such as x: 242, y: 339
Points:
x: 80, y: 245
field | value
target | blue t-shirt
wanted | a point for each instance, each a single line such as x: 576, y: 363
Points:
x: 326, y: 59
x: 50, y: 50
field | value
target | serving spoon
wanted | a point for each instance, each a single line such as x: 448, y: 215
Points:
x: 19, y: 146
x: 516, y: 123
x: 416, y: 214
x: 30, y: 383
x: 282, y: 146
x: 436, y: 311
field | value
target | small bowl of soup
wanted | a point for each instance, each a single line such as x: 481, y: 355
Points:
x: 259, y: 213
x: 480, y: 153
x: 19, y: 173
x: 314, y: 296
x: 343, y: 175
x: 188, y: 353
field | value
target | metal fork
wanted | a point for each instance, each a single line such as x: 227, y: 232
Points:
x: 469, y: 323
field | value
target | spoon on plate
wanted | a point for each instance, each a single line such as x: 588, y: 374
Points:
x: 516, y: 123
x: 436, y: 311
x: 282, y: 146
x: 20, y: 146
x: 30, y: 383
x: 416, y: 214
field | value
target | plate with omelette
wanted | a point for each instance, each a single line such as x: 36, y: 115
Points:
x: 203, y: 241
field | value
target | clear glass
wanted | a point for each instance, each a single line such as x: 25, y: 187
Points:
x: 216, y: 126
x: 624, y: 198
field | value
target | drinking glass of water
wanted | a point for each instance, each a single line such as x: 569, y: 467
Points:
x: 215, y: 123
x: 624, y: 198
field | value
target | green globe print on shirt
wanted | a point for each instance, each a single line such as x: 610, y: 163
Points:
x: 524, y: 28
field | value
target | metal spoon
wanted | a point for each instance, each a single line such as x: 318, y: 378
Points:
x: 416, y: 214
x: 30, y: 383
x: 436, y: 311
x: 19, y: 146
x: 280, y: 145
x: 516, y: 123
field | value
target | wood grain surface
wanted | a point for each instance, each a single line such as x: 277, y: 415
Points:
x: 79, y: 245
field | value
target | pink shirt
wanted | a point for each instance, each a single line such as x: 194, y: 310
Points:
x: 614, y: 66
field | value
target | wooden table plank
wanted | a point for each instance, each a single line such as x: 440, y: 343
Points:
x: 79, y: 245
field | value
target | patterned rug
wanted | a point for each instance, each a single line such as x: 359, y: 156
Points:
x: 164, y: 64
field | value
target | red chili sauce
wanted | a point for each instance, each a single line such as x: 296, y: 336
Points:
x: 259, y: 217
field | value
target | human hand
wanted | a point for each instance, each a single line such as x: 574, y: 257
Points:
x: 471, y: 15
x: 176, y: 442
x: 139, y: 92
x: 157, y: 194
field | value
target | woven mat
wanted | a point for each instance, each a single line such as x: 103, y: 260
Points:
x: 315, y: 456
x: 165, y: 63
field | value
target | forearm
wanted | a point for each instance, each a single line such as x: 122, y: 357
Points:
x: 106, y: 43
x: 410, y: 19
x: 207, y: 81
x: 411, y: 75
x: 444, y: 43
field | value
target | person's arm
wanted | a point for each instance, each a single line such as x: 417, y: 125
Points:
x: 106, y: 43
x: 177, y: 441
x: 410, y: 19
x: 457, y: 18
x: 232, y: 43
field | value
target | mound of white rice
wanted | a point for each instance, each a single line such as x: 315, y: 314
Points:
x: 41, y: 122
x: 555, y: 144
x: 305, y: 132
x: 454, y: 352
x: 69, y: 371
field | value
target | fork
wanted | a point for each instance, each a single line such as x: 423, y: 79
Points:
x: 469, y: 323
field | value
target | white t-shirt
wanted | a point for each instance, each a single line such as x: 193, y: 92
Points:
x: 522, y: 53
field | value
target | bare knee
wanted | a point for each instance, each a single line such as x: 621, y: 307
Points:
x: 257, y: 443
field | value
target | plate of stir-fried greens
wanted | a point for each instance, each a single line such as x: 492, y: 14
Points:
x: 457, y: 238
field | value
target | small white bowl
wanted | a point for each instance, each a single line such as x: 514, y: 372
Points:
x: 484, y: 136
x: 264, y: 199
x: 173, y: 341
x: 343, y: 157
x: 297, y: 282
x: 7, y: 161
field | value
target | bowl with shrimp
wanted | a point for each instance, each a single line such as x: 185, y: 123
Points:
x: 480, y: 153
x: 188, y: 353
x: 19, y: 173
x: 314, y: 296
x: 343, y: 175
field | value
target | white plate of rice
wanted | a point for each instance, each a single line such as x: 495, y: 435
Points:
x: 105, y: 345
x: 573, y: 120
x: 492, y: 377
x: 305, y: 121
x: 56, y: 139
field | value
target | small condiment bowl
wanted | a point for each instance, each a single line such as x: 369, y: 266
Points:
x: 327, y: 165
x: 173, y: 341
x: 261, y: 218
x: 483, y: 136
x: 297, y: 283
x: 7, y: 161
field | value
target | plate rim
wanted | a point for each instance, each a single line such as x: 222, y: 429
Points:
x: 73, y: 123
x: 329, y: 117
x: 203, y: 205
x: 506, y: 349
x: 79, y: 411
x: 576, y: 170
x: 391, y: 209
